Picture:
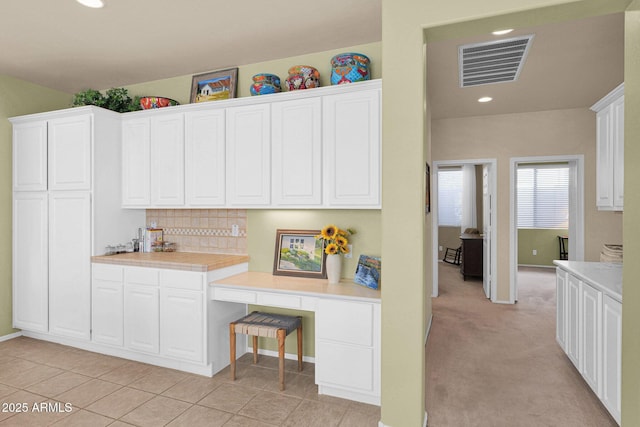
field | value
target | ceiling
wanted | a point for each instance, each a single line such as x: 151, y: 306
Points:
x: 63, y: 45
x: 569, y: 65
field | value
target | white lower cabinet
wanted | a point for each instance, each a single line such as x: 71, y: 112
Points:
x: 107, y: 305
x: 590, y: 336
x: 593, y: 336
x: 611, y: 355
x: 142, y: 318
x: 157, y: 312
x: 69, y: 271
x: 348, y: 349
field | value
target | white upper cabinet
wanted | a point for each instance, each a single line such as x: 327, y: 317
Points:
x: 136, y: 162
x: 70, y: 153
x: 297, y: 152
x: 167, y: 160
x: 317, y: 148
x: 30, y: 156
x: 610, y: 150
x: 205, y: 158
x: 351, y: 140
x: 248, y: 155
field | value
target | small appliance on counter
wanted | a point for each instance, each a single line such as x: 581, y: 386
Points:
x: 152, y: 240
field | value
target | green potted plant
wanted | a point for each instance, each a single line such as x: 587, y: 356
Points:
x: 114, y: 99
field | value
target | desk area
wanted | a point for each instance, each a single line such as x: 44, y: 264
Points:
x: 347, y: 326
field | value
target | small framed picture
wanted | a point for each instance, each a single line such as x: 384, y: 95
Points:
x: 214, y: 86
x: 299, y: 253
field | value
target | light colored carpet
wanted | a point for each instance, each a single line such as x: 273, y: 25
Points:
x: 499, y: 365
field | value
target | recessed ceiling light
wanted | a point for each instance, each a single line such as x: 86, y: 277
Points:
x: 96, y: 4
x: 502, y: 32
x: 485, y: 99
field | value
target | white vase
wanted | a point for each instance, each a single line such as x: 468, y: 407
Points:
x: 334, y: 268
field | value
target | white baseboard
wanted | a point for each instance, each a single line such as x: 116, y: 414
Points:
x: 10, y: 336
x: 288, y: 356
x: 426, y: 336
x: 537, y: 266
x: 502, y: 302
x: 424, y: 423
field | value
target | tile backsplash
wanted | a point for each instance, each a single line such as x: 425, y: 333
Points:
x: 202, y: 230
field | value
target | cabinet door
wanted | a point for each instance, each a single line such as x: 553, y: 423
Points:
x: 167, y: 160
x: 561, y: 308
x: 351, y: 142
x: 182, y: 324
x: 30, y: 262
x: 617, y: 139
x: 142, y: 318
x: 30, y: 156
x: 604, y: 159
x: 70, y: 153
x: 297, y: 152
x: 573, y: 320
x: 107, y: 310
x: 136, y: 178
x: 612, y: 355
x: 205, y: 158
x: 248, y: 156
x: 70, y: 264
x: 348, y: 346
x: 591, y: 335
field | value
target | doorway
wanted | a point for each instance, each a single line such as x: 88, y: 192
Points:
x: 489, y: 192
x: 576, y: 210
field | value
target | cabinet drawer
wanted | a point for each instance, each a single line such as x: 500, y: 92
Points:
x: 181, y: 279
x: 110, y: 273
x: 279, y: 300
x: 234, y: 295
x: 141, y: 276
x: 346, y: 322
x: 345, y: 366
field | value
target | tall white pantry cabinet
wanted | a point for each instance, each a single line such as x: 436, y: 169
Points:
x: 66, y: 208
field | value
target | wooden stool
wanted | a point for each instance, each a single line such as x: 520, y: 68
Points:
x: 259, y: 324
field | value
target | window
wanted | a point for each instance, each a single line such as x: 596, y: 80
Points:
x: 450, y: 197
x: 543, y: 196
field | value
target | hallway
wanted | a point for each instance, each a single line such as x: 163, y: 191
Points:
x: 499, y: 365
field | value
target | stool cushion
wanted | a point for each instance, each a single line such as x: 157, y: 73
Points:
x: 266, y: 324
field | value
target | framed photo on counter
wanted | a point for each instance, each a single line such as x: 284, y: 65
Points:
x: 299, y: 253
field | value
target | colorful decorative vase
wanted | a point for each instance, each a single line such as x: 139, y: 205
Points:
x: 302, y: 77
x: 349, y: 68
x: 149, y: 102
x: 264, y: 84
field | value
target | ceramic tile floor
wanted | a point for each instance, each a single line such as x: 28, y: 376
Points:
x: 63, y: 386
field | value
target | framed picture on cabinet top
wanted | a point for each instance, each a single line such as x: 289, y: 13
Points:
x: 214, y: 86
x: 299, y: 253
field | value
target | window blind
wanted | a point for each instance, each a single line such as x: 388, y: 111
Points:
x: 450, y: 197
x: 543, y: 196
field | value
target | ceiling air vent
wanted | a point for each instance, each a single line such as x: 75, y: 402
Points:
x: 492, y: 62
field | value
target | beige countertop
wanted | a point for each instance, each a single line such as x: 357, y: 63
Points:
x: 174, y: 260
x: 286, y: 284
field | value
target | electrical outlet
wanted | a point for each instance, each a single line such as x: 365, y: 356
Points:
x: 234, y: 230
x: 350, y: 254
x: 535, y: 252
x: 440, y: 248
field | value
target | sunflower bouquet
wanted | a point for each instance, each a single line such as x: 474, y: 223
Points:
x: 335, y: 239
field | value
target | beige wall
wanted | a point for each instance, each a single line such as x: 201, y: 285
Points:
x: 16, y: 98
x: 546, y: 133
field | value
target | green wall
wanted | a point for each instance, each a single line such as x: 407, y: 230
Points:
x: 543, y: 241
x: 16, y: 98
x: 179, y: 88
